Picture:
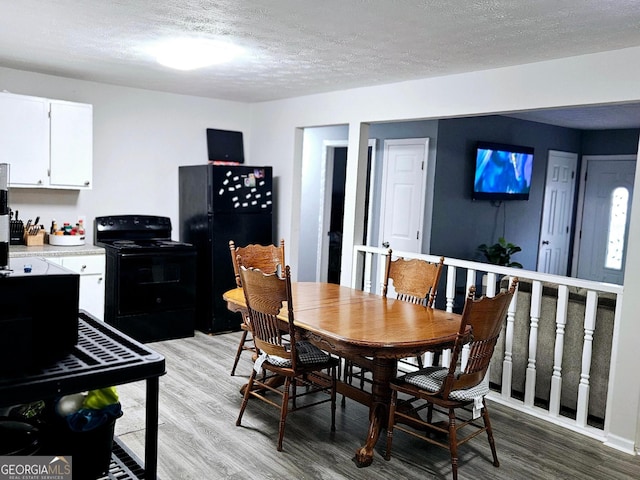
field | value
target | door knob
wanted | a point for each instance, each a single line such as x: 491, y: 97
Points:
x: 545, y: 242
x: 385, y: 244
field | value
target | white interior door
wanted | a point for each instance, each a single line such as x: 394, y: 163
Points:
x: 403, y: 193
x: 606, y: 212
x: 557, y: 213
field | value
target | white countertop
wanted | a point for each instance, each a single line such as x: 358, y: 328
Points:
x: 16, y: 251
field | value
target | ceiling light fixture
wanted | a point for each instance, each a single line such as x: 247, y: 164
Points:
x: 190, y: 54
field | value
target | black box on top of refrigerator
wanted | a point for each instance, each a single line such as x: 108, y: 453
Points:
x: 219, y: 203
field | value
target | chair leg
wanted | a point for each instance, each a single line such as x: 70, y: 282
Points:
x: 243, y: 340
x: 453, y: 443
x: 344, y: 374
x: 436, y: 359
x: 284, y: 409
x: 487, y: 424
x: 247, y: 394
x: 333, y: 399
x: 391, y: 422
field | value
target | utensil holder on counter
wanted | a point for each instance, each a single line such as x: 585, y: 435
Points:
x: 16, y: 232
x: 33, y: 240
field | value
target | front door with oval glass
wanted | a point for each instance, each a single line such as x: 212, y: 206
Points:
x: 605, y: 219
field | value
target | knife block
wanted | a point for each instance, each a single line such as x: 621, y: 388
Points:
x: 34, y: 240
x: 16, y: 232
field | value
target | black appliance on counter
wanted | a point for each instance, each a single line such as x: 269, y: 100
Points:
x: 150, y: 280
x: 38, y: 313
x: 219, y: 203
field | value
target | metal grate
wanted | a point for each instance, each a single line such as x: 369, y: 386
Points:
x: 102, y: 357
x: 124, y: 464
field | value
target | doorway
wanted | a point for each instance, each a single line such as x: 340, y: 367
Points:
x: 336, y: 214
x: 331, y: 224
x: 607, y: 184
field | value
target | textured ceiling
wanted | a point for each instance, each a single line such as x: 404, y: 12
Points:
x: 300, y: 47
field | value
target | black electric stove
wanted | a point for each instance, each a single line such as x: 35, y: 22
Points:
x: 150, y: 280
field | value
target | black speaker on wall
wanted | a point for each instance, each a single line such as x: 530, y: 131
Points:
x: 225, y: 145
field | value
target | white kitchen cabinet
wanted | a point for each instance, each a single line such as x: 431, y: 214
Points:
x: 71, y: 156
x: 48, y: 143
x: 91, y: 269
x: 24, y: 139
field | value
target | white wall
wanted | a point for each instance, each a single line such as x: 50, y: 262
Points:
x: 140, y: 139
x: 586, y: 80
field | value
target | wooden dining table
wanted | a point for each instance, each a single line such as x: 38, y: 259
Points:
x: 369, y: 330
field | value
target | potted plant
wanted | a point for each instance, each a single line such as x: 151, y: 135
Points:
x: 500, y: 253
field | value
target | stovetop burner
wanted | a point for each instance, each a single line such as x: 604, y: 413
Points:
x: 135, y: 232
x: 144, y: 244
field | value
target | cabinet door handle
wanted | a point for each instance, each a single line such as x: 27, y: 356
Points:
x: 83, y: 268
x: 87, y: 183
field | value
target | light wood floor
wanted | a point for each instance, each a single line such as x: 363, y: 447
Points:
x: 198, y: 439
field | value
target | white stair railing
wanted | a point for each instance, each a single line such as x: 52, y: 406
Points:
x: 546, y: 393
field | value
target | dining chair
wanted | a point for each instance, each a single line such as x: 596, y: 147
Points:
x: 297, y: 362
x: 415, y: 281
x: 458, y: 391
x: 264, y: 257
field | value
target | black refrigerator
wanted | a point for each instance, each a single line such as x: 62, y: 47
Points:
x: 219, y: 203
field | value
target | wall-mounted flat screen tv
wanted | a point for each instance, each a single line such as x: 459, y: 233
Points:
x: 502, y: 172
x: 225, y: 146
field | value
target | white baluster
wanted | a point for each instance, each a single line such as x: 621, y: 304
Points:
x: 450, y: 291
x: 583, y: 387
x: 507, y: 363
x: 556, y: 376
x: 367, y: 272
x: 530, y: 379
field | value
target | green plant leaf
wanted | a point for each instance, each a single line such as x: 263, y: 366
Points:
x: 500, y: 253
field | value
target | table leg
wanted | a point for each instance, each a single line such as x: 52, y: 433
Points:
x: 384, y: 370
x: 151, y: 430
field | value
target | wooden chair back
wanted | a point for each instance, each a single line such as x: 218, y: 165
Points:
x: 486, y: 316
x: 414, y: 280
x: 263, y: 257
x: 266, y: 294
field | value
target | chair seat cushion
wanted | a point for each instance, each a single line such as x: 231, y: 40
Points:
x: 431, y: 379
x: 307, y: 354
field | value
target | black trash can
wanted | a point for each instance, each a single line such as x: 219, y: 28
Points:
x: 90, y: 450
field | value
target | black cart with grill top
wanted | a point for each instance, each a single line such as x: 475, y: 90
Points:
x: 103, y: 357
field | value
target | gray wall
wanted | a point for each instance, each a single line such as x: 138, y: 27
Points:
x: 610, y: 142
x: 458, y: 223
x: 461, y: 224
x: 400, y: 130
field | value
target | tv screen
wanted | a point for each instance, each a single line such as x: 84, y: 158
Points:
x: 502, y: 172
x: 225, y: 145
